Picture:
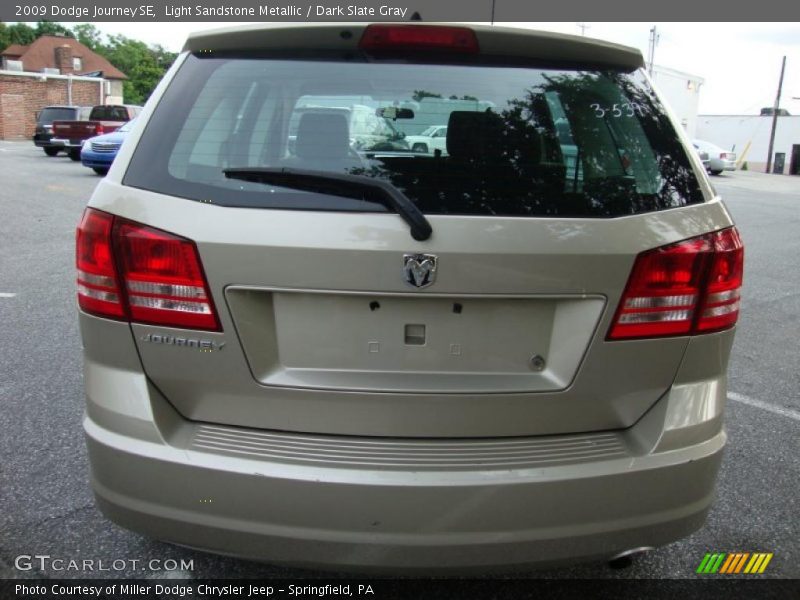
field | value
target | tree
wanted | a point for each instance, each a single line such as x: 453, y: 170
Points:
x: 418, y: 95
x: 18, y: 33
x: 89, y: 35
x: 50, y: 28
x: 144, y: 66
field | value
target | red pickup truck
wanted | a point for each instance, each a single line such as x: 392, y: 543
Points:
x: 103, y: 119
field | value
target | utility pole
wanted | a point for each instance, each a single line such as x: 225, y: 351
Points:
x: 651, y: 50
x: 583, y: 27
x: 775, y: 116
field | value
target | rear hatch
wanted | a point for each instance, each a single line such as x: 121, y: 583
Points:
x: 335, y: 319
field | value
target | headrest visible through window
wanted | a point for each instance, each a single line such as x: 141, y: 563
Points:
x: 322, y: 135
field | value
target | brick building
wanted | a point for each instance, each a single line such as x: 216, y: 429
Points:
x: 53, y: 70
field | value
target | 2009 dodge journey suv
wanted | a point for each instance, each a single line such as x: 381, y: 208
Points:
x: 508, y: 351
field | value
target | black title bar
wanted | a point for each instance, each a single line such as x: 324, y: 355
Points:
x: 395, y: 10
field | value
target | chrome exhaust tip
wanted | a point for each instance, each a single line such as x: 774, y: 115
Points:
x: 624, y: 559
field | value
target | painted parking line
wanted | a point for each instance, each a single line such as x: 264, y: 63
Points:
x: 778, y: 410
x: 6, y: 295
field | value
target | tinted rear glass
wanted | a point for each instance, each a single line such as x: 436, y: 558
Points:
x: 48, y: 115
x: 109, y: 113
x: 519, y: 140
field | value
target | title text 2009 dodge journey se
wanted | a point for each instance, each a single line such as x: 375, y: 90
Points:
x: 509, y: 351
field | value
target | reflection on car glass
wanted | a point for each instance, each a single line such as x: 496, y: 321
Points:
x: 453, y: 139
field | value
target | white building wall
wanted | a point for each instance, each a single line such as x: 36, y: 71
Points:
x: 735, y: 132
x: 682, y: 92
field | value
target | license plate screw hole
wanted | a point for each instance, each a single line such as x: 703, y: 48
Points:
x: 457, y: 308
x: 374, y: 305
x: 537, y: 362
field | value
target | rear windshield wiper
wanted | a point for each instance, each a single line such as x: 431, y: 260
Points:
x: 340, y: 184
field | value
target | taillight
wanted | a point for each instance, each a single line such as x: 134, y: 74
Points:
x: 98, y: 286
x: 720, y: 306
x: 419, y: 37
x: 160, y: 273
x: 683, y: 289
x: 99, y: 129
x: 163, y: 278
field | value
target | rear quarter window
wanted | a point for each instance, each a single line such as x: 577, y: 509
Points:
x: 520, y: 141
x: 109, y: 113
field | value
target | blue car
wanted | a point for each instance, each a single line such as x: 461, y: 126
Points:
x: 99, y: 152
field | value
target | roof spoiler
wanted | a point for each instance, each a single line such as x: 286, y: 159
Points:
x: 493, y: 41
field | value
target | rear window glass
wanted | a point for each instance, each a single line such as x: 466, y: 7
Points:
x: 109, y: 113
x: 485, y: 139
x: 48, y: 115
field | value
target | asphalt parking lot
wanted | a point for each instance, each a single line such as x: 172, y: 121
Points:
x: 46, y: 506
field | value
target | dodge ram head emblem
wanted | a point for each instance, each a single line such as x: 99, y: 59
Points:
x: 419, y: 270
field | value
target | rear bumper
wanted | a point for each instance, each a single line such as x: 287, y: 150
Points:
x: 401, y: 520
x: 361, y: 503
x: 45, y: 140
x: 717, y: 164
x: 66, y: 143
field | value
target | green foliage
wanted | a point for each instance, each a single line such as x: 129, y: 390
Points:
x: 88, y: 35
x: 50, y: 28
x: 18, y: 33
x: 744, y: 166
x: 144, y: 65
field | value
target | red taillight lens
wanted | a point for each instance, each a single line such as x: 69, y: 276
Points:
x: 720, y: 307
x: 161, y: 273
x: 99, y: 129
x: 419, y: 37
x: 682, y: 289
x: 98, y: 287
x: 163, y: 279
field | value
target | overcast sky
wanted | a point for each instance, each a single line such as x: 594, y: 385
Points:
x: 740, y: 62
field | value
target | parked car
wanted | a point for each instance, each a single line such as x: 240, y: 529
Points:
x: 719, y: 160
x: 104, y: 118
x: 100, y: 151
x: 431, y: 139
x: 411, y: 361
x: 43, y: 135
